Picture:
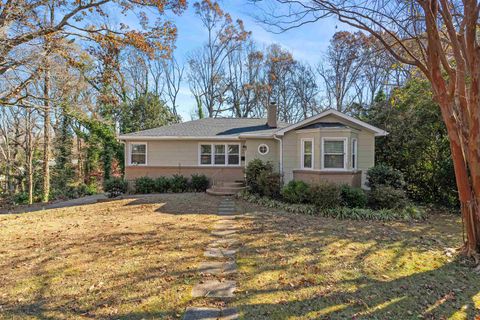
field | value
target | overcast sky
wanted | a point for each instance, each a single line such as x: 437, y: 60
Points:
x: 307, y: 43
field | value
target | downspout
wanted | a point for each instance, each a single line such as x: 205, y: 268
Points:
x: 280, y: 142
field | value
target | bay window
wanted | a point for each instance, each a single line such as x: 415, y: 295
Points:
x: 354, y: 153
x: 334, y: 152
x: 307, y: 153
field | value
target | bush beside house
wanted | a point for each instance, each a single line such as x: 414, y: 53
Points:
x: 385, y: 201
x: 145, y: 185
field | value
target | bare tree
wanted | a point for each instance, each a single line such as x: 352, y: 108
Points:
x: 207, y: 65
x: 342, y: 68
x: 173, y: 73
x: 440, y: 38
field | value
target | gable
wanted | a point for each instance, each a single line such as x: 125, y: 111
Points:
x: 333, y: 116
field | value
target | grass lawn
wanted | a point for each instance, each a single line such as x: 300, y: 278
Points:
x: 137, y: 258
x: 132, y: 258
x: 304, y: 267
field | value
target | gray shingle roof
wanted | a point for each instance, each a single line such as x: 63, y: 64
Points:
x: 210, y: 127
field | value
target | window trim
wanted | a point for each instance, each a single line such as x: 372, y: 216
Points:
x: 226, y: 144
x: 345, y: 153
x: 302, y: 153
x: 263, y: 145
x: 130, y: 147
x: 354, y: 156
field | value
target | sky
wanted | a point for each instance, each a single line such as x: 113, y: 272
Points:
x: 307, y: 43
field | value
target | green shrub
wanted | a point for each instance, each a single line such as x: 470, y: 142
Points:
x: 325, y: 195
x: 353, y: 197
x: 91, y: 189
x: 20, y: 198
x: 144, y: 185
x: 269, y: 184
x: 253, y: 171
x: 387, y: 197
x: 178, y: 183
x: 162, y: 184
x: 408, y: 213
x: 115, y: 187
x: 381, y: 174
x: 296, y: 191
x: 199, y: 182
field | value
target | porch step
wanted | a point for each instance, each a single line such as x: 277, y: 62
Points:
x: 229, y: 184
x: 225, y: 188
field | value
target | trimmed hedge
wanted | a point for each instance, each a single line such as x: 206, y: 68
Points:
x: 176, y: 184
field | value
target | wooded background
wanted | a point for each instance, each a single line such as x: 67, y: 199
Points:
x: 71, y: 80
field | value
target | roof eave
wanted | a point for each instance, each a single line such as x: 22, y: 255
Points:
x: 139, y: 138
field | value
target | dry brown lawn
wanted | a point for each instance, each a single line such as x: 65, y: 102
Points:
x: 307, y: 267
x: 132, y: 258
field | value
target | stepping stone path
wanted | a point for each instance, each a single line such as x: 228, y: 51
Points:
x: 220, y: 264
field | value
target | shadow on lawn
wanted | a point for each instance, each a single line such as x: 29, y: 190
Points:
x: 70, y: 277
x: 178, y: 203
x: 318, y: 268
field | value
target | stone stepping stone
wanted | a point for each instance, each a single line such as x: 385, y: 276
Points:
x: 217, y: 268
x: 214, y: 289
x: 227, y: 213
x: 225, y: 243
x: 219, y: 252
x: 193, y: 313
x: 225, y: 226
x: 223, y: 233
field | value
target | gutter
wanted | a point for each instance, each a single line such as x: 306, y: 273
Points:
x: 280, y: 141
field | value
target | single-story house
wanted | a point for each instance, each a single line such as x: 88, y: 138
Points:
x: 329, y: 146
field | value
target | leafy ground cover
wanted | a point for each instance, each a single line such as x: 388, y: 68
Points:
x: 296, y: 266
x: 129, y: 259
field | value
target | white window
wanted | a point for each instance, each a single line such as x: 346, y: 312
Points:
x: 206, y: 154
x: 354, y: 153
x: 138, y: 153
x: 307, y: 154
x: 334, y: 153
x: 263, y: 149
x: 219, y: 154
x: 233, y: 154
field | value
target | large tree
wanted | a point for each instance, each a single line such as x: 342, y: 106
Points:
x: 21, y: 29
x: 441, y: 39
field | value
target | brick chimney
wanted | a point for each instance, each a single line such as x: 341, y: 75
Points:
x: 272, y: 115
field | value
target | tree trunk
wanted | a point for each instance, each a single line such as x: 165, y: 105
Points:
x: 29, y: 156
x: 470, y: 208
x: 46, y: 136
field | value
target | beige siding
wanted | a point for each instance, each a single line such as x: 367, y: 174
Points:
x: 366, y: 153
x: 273, y: 154
x: 174, y: 153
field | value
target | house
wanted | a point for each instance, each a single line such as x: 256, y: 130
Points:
x: 329, y: 146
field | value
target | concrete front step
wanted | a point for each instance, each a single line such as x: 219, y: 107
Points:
x: 227, y: 189
x: 233, y: 184
x: 220, y: 193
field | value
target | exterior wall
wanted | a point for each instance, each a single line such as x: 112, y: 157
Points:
x: 310, y: 176
x: 365, y: 153
x: 213, y: 173
x: 173, y: 153
x: 169, y: 157
x: 252, y: 153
